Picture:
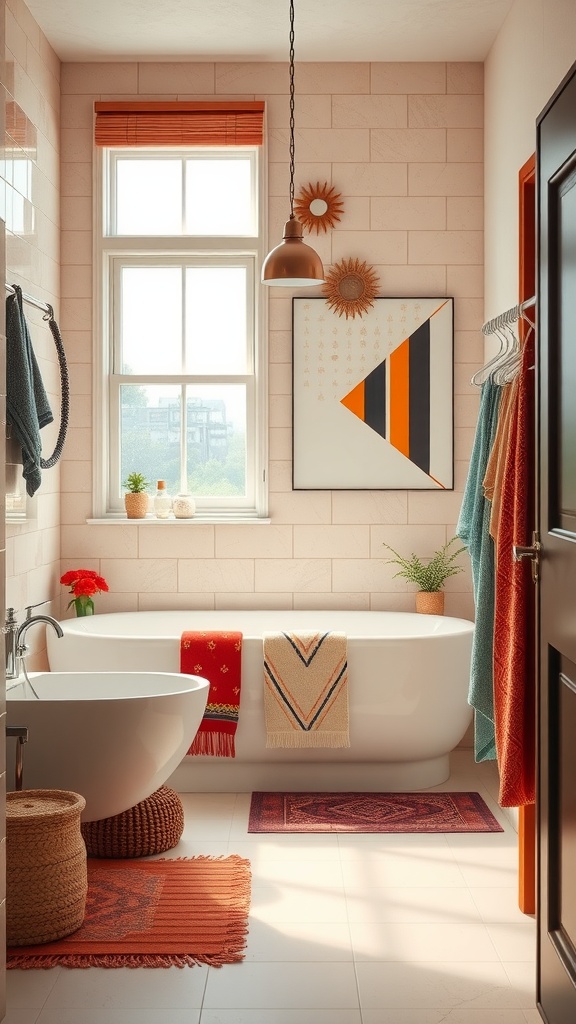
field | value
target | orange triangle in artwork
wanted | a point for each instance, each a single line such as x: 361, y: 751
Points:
x: 354, y: 400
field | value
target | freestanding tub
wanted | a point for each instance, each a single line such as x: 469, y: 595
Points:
x: 114, y: 737
x: 408, y: 685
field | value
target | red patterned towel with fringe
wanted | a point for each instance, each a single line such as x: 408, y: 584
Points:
x: 216, y: 656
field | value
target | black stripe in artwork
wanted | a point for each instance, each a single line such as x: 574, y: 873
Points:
x: 375, y: 399
x: 419, y: 376
x: 289, y: 706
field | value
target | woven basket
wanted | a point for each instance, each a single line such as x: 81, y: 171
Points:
x: 152, y: 826
x: 46, y: 881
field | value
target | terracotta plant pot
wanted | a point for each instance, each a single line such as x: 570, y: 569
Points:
x: 430, y: 603
x: 136, y: 504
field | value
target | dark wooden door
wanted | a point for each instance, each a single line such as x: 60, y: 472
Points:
x: 556, y: 162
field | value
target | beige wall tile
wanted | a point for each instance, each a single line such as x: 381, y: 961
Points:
x: 301, y: 507
x: 468, y: 314
x: 279, y: 475
x: 94, y: 78
x: 405, y: 77
x: 465, y: 213
x: 262, y: 541
x: 77, y: 144
x: 183, y: 77
x: 280, y: 442
x: 414, y: 281
x: 445, y: 246
x: 331, y: 541
x: 406, y: 145
x: 176, y: 540
x: 372, y: 246
x: 76, y: 179
x: 280, y: 346
x: 345, y: 77
x: 466, y: 77
x: 76, y: 247
x: 110, y: 541
x: 76, y: 282
x: 295, y: 575
x: 344, y: 601
x: 315, y: 145
x: 465, y: 145
x: 312, y: 111
x: 280, y: 411
x: 76, y: 213
x: 445, y: 111
x: 247, y: 79
x: 269, y: 602
x: 216, y: 575
x: 170, y: 602
x: 280, y: 379
x: 373, y: 179
x: 465, y: 281
x: 369, y: 111
x: 126, y: 575
x: 406, y: 540
x: 455, y: 179
x: 369, y: 507
x: 428, y: 507
x: 402, y: 213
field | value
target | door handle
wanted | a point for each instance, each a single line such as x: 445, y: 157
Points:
x: 531, y: 551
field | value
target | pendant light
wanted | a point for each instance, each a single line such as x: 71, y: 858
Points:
x: 292, y: 264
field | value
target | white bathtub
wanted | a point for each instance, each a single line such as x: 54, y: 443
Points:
x: 408, y: 685
x: 114, y: 737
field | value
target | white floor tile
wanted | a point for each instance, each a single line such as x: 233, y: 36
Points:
x: 274, y: 903
x: 514, y: 941
x: 29, y: 989
x: 401, y: 940
x: 283, y: 986
x: 523, y: 980
x: 444, y: 1016
x: 299, y: 941
x: 374, y: 868
x: 402, y: 903
x: 143, y: 989
x: 124, y: 1016
x: 498, y: 905
x: 21, y: 1016
x: 279, y: 1016
x: 262, y: 850
x: 299, y: 874
x: 425, y: 985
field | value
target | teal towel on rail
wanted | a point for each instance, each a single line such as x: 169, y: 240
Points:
x: 27, y: 408
x: 474, y: 530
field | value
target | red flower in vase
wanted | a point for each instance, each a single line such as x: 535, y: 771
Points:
x: 83, y: 583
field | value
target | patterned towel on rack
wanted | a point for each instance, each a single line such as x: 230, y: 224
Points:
x: 216, y: 656
x: 306, y: 689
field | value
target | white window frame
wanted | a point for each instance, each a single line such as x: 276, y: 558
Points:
x: 113, y: 251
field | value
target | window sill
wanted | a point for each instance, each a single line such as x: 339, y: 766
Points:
x: 197, y: 520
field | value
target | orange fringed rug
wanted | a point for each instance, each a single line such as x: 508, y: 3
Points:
x: 217, y: 657
x: 155, y: 913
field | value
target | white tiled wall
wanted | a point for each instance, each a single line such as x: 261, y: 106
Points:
x: 32, y: 80
x: 403, y: 144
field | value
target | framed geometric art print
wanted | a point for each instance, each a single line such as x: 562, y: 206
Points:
x: 373, y: 397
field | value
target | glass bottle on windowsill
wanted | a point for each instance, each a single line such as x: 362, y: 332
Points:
x: 162, y: 501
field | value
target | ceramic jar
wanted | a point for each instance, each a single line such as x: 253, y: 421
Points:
x: 183, y: 506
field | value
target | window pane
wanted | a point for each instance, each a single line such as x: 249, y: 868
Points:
x: 151, y: 320
x: 150, y: 419
x: 216, y: 439
x: 148, y: 197
x: 219, y: 197
x: 216, y: 320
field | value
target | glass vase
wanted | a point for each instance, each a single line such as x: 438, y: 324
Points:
x: 84, y: 605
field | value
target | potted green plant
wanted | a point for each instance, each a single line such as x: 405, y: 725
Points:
x: 136, y: 498
x: 429, y: 575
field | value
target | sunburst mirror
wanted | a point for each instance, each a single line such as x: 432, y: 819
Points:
x: 318, y: 207
x: 351, y: 287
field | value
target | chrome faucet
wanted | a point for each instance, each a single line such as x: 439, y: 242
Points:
x: 16, y: 649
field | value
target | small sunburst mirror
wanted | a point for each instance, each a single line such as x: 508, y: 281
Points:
x: 318, y: 207
x: 351, y: 287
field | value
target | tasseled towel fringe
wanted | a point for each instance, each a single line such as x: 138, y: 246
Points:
x: 214, y: 744
x: 318, y: 738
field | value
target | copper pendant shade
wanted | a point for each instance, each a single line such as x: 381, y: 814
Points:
x: 292, y: 264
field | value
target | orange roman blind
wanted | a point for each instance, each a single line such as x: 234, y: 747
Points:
x: 189, y: 123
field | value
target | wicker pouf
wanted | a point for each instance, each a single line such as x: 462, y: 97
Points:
x: 152, y: 826
x: 46, y: 881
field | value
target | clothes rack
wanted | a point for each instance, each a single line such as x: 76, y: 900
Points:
x: 30, y: 300
x: 509, y: 317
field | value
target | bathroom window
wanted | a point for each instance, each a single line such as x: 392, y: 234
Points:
x: 182, y: 361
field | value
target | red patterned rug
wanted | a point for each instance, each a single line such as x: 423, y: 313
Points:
x: 154, y: 913
x: 370, y: 812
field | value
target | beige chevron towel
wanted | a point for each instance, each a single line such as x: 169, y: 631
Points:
x: 306, y: 689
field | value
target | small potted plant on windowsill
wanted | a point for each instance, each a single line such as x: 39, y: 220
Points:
x: 429, y: 575
x: 136, y: 498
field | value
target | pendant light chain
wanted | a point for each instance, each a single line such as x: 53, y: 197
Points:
x: 291, y: 108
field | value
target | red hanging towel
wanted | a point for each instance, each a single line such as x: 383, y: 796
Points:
x: 216, y: 656
x: 514, y: 687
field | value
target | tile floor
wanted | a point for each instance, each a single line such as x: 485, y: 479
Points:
x: 362, y: 929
